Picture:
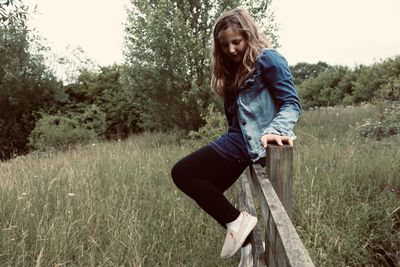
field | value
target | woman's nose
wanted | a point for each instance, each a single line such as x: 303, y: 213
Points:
x: 231, y: 49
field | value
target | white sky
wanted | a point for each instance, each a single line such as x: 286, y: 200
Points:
x: 346, y: 32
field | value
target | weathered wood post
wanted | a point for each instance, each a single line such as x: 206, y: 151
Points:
x: 273, y: 186
x: 279, y: 170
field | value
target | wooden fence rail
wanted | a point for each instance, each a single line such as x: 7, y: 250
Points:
x: 273, y: 187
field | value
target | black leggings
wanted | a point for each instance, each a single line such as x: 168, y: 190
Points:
x: 204, y: 176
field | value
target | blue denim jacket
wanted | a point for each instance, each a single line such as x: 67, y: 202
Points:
x: 267, y: 102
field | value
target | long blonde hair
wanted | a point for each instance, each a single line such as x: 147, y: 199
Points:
x: 225, y: 76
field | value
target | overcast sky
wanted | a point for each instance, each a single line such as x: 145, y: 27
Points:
x: 346, y: 32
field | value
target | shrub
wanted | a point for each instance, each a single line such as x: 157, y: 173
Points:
x: 386, y: 125
x: 62, y: 131
x: 215, y: 125
x: 93, y: 119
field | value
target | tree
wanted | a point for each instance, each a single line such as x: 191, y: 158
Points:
x: 103, y: 88
x: 378, y: 81
x: 68, y: 66
x: 167, y: 51
x: 302, y: 70
x: 26, y: 87
x: 12, y: 12
x: 329, y: 88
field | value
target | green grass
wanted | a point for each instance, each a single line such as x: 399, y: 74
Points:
x: 108, y: 204
x: 114, y: 204
x: 346, y: 210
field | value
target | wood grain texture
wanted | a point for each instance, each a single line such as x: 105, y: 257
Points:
x: 285, y: 244
x: 273, y: 187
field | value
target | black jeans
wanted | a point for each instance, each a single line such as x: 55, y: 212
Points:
x: 204, y: 176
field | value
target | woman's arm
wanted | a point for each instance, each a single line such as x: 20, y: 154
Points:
x: 276, y: 74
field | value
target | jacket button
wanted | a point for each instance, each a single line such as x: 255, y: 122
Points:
x: 248, y: 137
x: 243, y: 122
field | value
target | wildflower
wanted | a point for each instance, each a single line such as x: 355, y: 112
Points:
x: 71, y: 194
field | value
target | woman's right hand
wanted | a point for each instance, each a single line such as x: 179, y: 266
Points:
x: 274, y: 138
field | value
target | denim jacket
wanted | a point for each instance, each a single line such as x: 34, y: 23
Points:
x: 267, y: 102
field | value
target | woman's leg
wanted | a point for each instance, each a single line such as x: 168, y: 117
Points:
x: 204, y: 176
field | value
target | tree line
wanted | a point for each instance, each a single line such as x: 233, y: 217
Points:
x: 322, y: 84
x: 163, y: 85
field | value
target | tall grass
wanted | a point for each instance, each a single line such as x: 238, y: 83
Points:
x: 108, y: 204
x: 347, y: 210
x: 114, y: 204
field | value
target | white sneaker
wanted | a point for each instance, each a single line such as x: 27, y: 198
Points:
x: 234, y: 240
x: 246, y: 260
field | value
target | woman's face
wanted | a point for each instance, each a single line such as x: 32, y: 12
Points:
x: 233, y: 44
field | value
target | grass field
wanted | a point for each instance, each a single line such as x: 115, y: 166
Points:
x: 114, y: 204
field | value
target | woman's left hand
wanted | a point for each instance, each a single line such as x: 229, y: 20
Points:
x: 278, y: 139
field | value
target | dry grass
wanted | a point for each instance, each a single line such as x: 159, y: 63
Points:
x: 114, y: 204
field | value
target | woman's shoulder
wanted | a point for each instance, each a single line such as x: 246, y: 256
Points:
x: 268, y: 56
x: 269, y: 53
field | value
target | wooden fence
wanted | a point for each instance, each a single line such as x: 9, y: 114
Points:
x: 273, y: 187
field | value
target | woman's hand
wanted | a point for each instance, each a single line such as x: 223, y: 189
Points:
x: 273, y: 138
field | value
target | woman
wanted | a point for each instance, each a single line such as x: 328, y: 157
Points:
x: 261, y: 106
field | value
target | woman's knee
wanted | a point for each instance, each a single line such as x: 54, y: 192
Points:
x: 193, y: 166
x: 177, y: 174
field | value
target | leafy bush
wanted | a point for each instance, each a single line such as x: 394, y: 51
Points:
x: 63, y: 131
x: 104, y: 89
x: 93, y: 119
x: 386, y: 125
x: 340, y: 85
x: 329, y: 88
x: 215, y: 125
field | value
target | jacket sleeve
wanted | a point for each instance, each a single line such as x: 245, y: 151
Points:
x: 276, y: 74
